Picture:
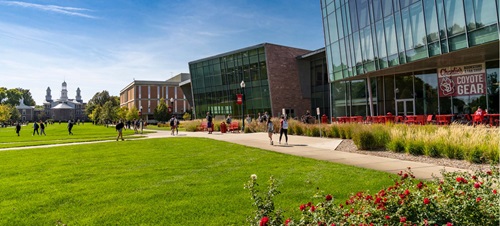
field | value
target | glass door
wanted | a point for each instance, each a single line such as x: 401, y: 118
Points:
x: 405, y: 107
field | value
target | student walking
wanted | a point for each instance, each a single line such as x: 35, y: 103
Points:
x: 35, y: 129
x: 42, y: 128
x: 119, y: 127
x: 284, y: 129
x: 173, y: 125
x: 18, y: 128
x: 270, y: 130
x: 70, y: 127
x: 209, y: 122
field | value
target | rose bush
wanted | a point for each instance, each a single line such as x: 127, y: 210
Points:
x: 458, y: 198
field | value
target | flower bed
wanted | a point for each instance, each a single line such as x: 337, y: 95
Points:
x: 458, y: 198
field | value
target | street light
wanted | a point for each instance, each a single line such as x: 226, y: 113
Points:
x: 140, y: 114
x: 242, y: 84
x: 172, y: 103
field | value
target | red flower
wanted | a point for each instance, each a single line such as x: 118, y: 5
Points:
x: 474, y: 177
x: 494, y: 191
x: 264, y: 221
x: 426, y: 201
x: 333, y: 224
x: 309, y: 204
x: 477, y: 185
x: 402, y: 219
x: 387, y: 217
x: 405, y: 176
x: 449, y: 224
x: 420, y: 185
x: 407, y: 192
x: 341, y: 206
x: 489, y: 172
x: 287, y: 221
x: 461, y: 180
x: 478, y: 199
x: 351, y: 210
x: 329, y: 198
x: 302, y: 207
x: 313, y: 208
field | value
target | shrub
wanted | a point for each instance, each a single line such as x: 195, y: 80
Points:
x: 192, y: 125
x: 432, y: 149
x: 364, y: 140
x: 334, y: 131
x: 458, y: 198
x: 414, y: 147
x: 396, y: 145
x: 475, y: 155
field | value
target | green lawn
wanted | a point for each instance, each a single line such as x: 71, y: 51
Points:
x: 58, y: 133
x: 174, y: 181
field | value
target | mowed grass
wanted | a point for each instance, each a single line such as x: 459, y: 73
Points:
x: 58, y: 134
x: 169, y: 181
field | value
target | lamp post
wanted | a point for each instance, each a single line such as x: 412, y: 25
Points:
x: 172, y: 104
x: 140, y: 114
x: 242, y: 84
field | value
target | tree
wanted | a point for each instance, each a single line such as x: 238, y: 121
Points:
x: 121, y: 113
x: 14, y: 114
x: 132, y: 113
x: 99, y: 99
x: 108, y: 112
x: 5, y: 113
x: 13, y: 97
x: 161, y: 111
x: 107, y: 106
x: 94, y: 116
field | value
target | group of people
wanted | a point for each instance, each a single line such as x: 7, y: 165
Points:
x: 39, y: 128
x: 283, y: 129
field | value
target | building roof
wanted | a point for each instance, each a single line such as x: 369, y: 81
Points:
x: 62, y: 106
x: 23, y: 106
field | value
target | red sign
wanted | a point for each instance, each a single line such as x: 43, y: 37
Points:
x: 239, y: 98
x: 462, y: 80
x: 169, y: 109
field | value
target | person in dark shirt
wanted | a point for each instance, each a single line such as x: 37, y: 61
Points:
x: 42, y: 128
x: 70, y: 126
x: 35, y: 129
x: 119, y: 127
x: 18, y: 128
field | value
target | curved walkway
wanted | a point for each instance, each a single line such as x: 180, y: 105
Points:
x: 309, y: 147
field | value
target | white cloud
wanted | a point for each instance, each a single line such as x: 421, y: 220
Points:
x: 72, y: 11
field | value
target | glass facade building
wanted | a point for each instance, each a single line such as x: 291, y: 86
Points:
x: 271, y: 82
x: 411, y: 56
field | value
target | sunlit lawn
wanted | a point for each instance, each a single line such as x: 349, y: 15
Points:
x: 174, y: 181
x: 57, y: 133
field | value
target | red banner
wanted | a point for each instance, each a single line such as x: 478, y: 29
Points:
x: 462, y: 80
x: 239, y: 98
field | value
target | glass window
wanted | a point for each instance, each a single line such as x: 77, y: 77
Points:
x: 455, y: 17
x: 364, y: 14
x: 399, y: 32
x: 470, y: 20
x: 343, y: 54
x: 483, y: 35
x: 434, y: 49
x: 417, y: 25
x: 339, y: 24
x: 405, y: 16
x: 441, y: 21
x: 431, y: 21
x: 336, y: 56
x: 357, y: 48
x: 377, y: 10
x: 332, y: 24
x: 379, y: 29
x: 346, y: 21
x: 390, y: 35
x: 387, y: 7
x: 485, y: 12
x: 354, y: 17
x: 458, y: 42
x: 330, y: 8
x: 367, y: 47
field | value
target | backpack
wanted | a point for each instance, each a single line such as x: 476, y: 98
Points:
x: 228, y: 120
x: 172, y: 122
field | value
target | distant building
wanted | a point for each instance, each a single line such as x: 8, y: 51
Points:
x: 27, y: 112
x: 145, y: 96
x: 64, y: 109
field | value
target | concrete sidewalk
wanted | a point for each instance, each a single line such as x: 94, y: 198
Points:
x: 309, y: 147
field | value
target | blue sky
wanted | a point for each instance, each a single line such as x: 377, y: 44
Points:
x: 105, y: 44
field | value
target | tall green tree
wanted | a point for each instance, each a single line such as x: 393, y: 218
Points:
x: 161, y: 112
x: 132, y: 113
x: 14, y: 114
x: 121, y: 112
x: 5, y: 113
x: 107, y: 106
x: 108, y: 112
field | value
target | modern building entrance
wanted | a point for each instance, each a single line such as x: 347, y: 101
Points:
x: 405, y: 107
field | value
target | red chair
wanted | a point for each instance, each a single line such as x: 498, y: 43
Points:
x: 429, y: 120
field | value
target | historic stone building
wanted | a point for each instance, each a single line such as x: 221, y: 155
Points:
x: 64, y: 109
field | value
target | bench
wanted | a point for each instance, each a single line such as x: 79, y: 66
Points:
x: 234, y: 126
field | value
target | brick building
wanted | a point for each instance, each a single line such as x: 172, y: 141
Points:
x: 276, y: 77
x: 145, y: 96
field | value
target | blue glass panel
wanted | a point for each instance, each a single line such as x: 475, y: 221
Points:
x: 485, y: 12
x: 379, y: 29
x: 345, y: 17
x: 364, y: 14
x: 387, y: 7
x: 330, y: 8
x: 470, y: 19
x: 444, y: 46
x: 336, y: 56
x: 455, y: 18
x: 354, y: 17
x: 340, y: 27
x: 434, y: 49
x: 483, y: 35
x: 343, y: 54
x: 357, y: 48
x: 405, y: 16
x: 457, y: 42
x: 390, y: 35
x: 326, y: 33
x: 377, y: 10
x: 367, y: 46
x: 441, y: 20
x: 417, y: 25
x: 431, y: 21
x: 399, y: 32
x: 332, y: 27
